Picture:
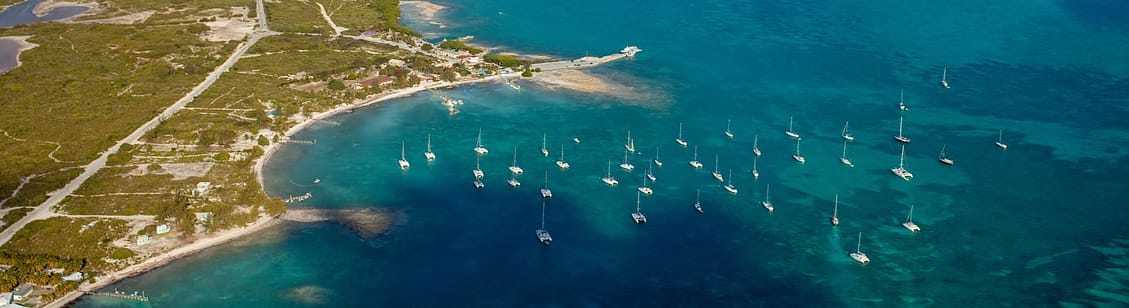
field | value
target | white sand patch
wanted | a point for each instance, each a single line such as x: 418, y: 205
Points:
x: 120, y: 20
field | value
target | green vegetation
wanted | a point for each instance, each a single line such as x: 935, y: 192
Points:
x: 296, y: 16
x: 505, y: 60
x: 115, y: 205
x: 14, y: 215
x: 67, y: 238
x: 527, y: 73
x: 459, y: 45
x: 121, y: 253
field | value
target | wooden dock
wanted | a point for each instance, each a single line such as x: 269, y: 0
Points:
x: 136, y: 296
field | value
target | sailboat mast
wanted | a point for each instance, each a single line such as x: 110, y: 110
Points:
x: 730, y: 178
x: 766, y: 187
x: 910, y: 216
x: 401, y: 150
x: 562, y: 152
x: 480, y: 137
x: 844, y: 149
x: 858, y: 247
x: 789, y: 123
x: 429, y: 142
x: 900, y: 126
x: 835, y: 213
x: 902, y: 158
x: 542, y: 214
x: 637, y: 202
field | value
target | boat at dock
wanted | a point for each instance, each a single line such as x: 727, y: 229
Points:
x: 542, y: 233
x: 481, y: 150
x: 901, y: 171
x: 694, y: 162
x: 562, y: 163
x: 403, y: 161
x: 899, y: 137
x: 514, y: 168
x: 858, y: 255
x: 789, y: 132
x: 611, y: 181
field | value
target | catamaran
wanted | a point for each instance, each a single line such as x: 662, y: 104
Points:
x: 729, y: 186
x: 679, y: 140
x: 609, y: 179
x: 544, y: 149
x: 899, y: 137
x: 789, y: 132
x: 756, y: 174
x: 797, y: 156
x: 429, y: 155
x: 728, y: 133
x: 902, y: 102
x: 514, y: 168
x: 481, y: 150
x: 716, y: 174
x: 562, y: 163
x: 543, y: 234
x: 858, y: 255
x: 843, y: 159
x: 767, y: 204
x: 513, y: 182
x: 478, y: 174
x: 835, y: 213
x: 638, y: 215
x: 626, y: 165
x: 630, y: 145
x: 545, y: 192
x: 847, y: 136
x: 644, y: 189
x: 756, y: 150
x: 912, y: 227
x: 694, y: 162
x: 1000, y: 142
x: 944, y: 78
x: 943, y: 158
x: 698, y: 202
x: 403, y: 161
x: 901, y: 171
x: 657, y: 161
x: 478, y: 184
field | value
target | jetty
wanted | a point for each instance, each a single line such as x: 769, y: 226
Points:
x: 298, y: 198
x: 297, y: 141
x: 587, y: 61
x: 136, y: 296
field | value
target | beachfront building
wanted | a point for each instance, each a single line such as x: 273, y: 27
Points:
x: 76, y: 276
x: 162, y: 229
x: 22, y: 291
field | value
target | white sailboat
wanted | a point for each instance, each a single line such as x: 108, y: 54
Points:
x: 944, y: 159
x: 728, y: 133
x: 478, y: 174
x: 847, y: 136
x: 403, y: 161
x: 899, y: 137
x: 756, y: 150
x: 609, y: 179
x: 478, y: 184
x: 544, y: 149
x: 627, y: 166
x: 944, y: 78
x: 429, y: 155
x: 650, y: 175
x: 858, y: 255
x: 694, y: 162
x: 902, y: 102
x: 317, y: 180
x: 562, y: 163
x: 644, y: 189
x: 835, y: 213
x: 767, y: 204
x: 637, y: 216
x: 843, y: 159
x: 756, y: 175
x: 513, y: 182
x: 912, y: 227
x: 716, y: 174
x: 901, y: 171
x: 657, y: 161
x: 729, y: 186
x: 789, y: 132
x: 698, y: 202
x: 543, y: 234
x: 514, y: 168
x: 1000, y: 142
x: 545, y: 191
x: 630, y: 145
x: 481, y: 150
x: 679, y: 140
x: 797, y: 156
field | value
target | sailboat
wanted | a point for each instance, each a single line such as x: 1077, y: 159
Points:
x: 679, y: 140
x: 626, y: 165
x: 728, y: 133
x: 912, y: 227
x: 835, y: 213
x: 1000, y: 142
x: 562, y: 163
x: 657, y: 161
x: 944, y: 159
x: 403, y: 161
x: 650, y: 175
x: 694, y: 162
x: 901, y: 171
x: 513, y: 182
x: 630, y: 145
x: 858, y: 255
x: 429, y: 155
x: 789, y: 132
x: 756, y: 150
x: 797, y: 156
x: 944, y: 78
x: 638, y: 215
x: 317, y: 180
x: 478, y: 174
x: 644, y: 189
x: 543, y: 234
x: 514, y: 168
x: 544, y: 149
x: 847, y: 136
x: 899, y: 137
x: 545, y: 192
x: 481, y: 150
x: 716, y: 174
x: 843, y: 159
x: 478, y: 184
x: 902, y: 102
x: 698, y: 202
x: 729, y: 186
x: 756, y: 174
x: 767, y: 204
x: 609, y: 179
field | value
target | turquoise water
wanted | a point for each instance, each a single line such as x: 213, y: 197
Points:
x: 1037, y: 224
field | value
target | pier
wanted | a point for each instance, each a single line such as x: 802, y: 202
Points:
x: 122, y: 295
x: 298, y: 198
x: 297, y: 141
x: 587, y: 61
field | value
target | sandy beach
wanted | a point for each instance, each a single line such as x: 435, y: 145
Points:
x: 23, y: 45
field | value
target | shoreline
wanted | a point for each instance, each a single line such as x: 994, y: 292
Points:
x: 45, y: 7
x: 23, y: 44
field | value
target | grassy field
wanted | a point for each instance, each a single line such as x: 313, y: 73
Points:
x: 296, y: 16
x: 67, y: 238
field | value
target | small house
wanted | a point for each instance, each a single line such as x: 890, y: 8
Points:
x: 76, y: 276
x: 22, y: 291
x: 162, y: 229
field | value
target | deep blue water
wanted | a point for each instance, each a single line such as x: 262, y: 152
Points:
x: 1037, y: 224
